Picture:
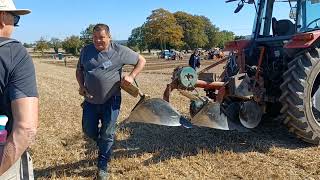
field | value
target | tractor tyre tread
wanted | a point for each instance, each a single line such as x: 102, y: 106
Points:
x: 294, y: 95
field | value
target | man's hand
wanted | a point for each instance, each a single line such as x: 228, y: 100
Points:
x: 84, y: 92
x: 127, y: 80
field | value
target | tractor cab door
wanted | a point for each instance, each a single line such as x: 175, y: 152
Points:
x: 308, y: 16
x: 273, y: 29
x: 275, y: 24
x: 273, y: 20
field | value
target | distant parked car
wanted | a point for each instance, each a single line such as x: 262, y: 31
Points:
x: 168, y: 55
x: 165, y: 54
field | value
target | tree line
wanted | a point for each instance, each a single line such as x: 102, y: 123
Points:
x: 179, y: 30
x: 71, y: 44
x: 162, y: 30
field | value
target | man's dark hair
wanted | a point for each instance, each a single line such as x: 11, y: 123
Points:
x: 101, y: 27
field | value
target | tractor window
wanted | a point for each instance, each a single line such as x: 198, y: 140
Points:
x: 281, y: 24
x: 309, y: 17
x: 275, y: 19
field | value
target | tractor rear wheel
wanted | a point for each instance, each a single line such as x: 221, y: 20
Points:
x: 301, y: 95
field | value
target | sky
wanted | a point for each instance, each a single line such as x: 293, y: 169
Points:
x: 63, y: 18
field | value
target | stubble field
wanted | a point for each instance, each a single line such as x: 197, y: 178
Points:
x: 144, y: 151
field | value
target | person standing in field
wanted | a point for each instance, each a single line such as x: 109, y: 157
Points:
x: 194, y: 60
x: 99, y: 76
x: 18, y: 97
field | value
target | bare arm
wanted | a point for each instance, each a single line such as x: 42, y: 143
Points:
x: 79, y: 72
x: 136, y: 70
x: 79, y: 76
x: 25, y: 115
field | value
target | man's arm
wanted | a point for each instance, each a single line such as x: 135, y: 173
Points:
x: 25, y: 115
x: 191, y: 60
x: 82, y: 89
x: 79, y: 71
x: 198, y: 62
x: 80, y: 79
x: 136, y: 70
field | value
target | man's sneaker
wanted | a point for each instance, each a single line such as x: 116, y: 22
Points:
x: 102, y: 175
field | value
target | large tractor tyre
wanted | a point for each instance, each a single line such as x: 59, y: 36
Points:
x: 301, y: 82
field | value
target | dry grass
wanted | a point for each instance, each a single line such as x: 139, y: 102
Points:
x: 155, y: 152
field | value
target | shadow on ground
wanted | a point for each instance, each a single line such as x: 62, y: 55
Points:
x: 177, y: 142
x: 82, y: 168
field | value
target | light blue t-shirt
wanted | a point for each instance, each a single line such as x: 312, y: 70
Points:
x: 102, y: 70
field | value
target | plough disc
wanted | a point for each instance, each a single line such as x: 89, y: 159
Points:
x: 211, y: 116
x: 156, y: 111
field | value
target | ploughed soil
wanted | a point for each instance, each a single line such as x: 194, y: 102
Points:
x: 144, y: 151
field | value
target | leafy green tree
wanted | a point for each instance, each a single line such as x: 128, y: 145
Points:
x: 72, y: 45
x: 198, y: 36
x: 211, y: 32
x: 55, y: 43
x: 162, y: 28
x: 27, y: 45
x: 225, y: 36
x: 86, y: 35
x: 184, y: 20
x: 193, y: 30
x: 42, y: 45
x: 137, y: 39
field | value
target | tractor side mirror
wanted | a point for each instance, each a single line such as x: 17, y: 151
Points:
x: 230, y: 1
x: 315, y: 1
x: 293, y: 13
x: 240, y: 6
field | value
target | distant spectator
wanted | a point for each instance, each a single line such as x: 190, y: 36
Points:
x: 173, y: 55
x: 210, y: 54
x: 180, y: 55
x: 194, y: 60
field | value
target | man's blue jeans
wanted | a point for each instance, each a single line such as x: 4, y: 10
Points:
x: 107, y: 114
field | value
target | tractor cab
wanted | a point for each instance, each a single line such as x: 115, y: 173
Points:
x: 282, y: 60
x: 308, y: 16
x: 273, y: 20
x: 278, y: 21
x: 281, y: 29
x: 274, y: 74
x: 283, y: 18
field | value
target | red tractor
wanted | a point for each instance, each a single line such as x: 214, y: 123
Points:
x: 273, y: 73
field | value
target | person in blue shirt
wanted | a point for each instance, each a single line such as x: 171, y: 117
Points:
x: 18, y: 97
x: 194, y: 60
x: 99, y: 73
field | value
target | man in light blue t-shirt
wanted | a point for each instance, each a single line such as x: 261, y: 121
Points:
x: 99, y: 74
